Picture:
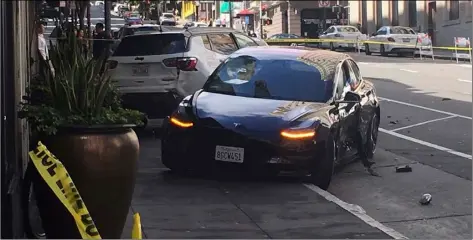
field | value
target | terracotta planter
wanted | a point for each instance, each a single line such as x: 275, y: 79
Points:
x: 102, y: 162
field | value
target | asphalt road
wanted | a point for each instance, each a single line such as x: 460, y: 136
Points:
x: 426, y: 122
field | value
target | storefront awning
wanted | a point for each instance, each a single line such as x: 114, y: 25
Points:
x: 245, y: 12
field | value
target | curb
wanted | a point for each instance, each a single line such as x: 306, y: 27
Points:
x: 443, y: 57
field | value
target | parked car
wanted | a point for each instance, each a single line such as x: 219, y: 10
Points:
x: 271, y: 109
x: 282, y: 36
x: 167, y: 17
x: 160, y: 68
x: 346, y: 35
x: 404, y: 37
x: 134, y: 20
x: 195, y: 24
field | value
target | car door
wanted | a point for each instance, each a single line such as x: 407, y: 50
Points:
x: 343, y: 112
x: 380, y: 37
x: 222, y: 45
x: 349, y: 111
x: 368, y: 102
x: 326, y: 36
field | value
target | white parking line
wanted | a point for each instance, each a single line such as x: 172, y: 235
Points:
x: 427, y: 144
x: 357, y: 211
x: 422, y: 123
x: 463, y: 80
x: 425, y: 108
x: 407, y: 70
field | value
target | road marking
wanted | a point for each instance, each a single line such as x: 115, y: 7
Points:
x: 364, y: 63
x: 465, y: 66
x: 463, y: 80
x: 427, y: 144
x: 425, y: 108
x: 357, y: 211
x: 422, y: 123
x: 407, y: 70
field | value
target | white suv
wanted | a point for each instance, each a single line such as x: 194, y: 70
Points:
x: 154, y: 71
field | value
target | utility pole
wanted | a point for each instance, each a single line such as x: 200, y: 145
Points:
x: 261, y: 18
x: 231, y: 13
x: 108, y: 17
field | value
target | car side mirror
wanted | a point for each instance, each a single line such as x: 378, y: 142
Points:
x: 324, y: 33
x: 373, y: 34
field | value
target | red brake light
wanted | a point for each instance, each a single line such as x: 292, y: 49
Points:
x: 183, y: 64
x: 338, y: 35
x: 112, y: 64
x: 391, y: 39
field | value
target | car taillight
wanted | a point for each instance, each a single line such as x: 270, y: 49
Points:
x: 112, y: 64
x: 183, y: 64
x: 391, y: 39
x: 338, y: 35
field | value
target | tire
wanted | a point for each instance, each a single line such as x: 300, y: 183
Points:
x: 367, y: 49
x: 322, y: 172
x: 172, y: 163
x: 332, y: 48
x: 383, y: 51
x: 372, y: 136
x: 293, y: 45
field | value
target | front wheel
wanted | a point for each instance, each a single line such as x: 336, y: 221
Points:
x: 322, y: 172
x: 372, y: 136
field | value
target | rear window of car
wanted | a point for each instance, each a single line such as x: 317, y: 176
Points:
x: 347, y: 29
x: 153, y: 44
x: 401, y: 30
x: 132, y: 31
x: 168, y: 15
x: 282, y: 79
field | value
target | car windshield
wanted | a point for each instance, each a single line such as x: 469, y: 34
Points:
x: 347, y: 29
x: 402, y: 30
x: 282, y: 79
x: 153, y: 44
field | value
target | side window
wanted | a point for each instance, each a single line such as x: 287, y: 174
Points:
x: 330, y: 30
x: 355, y: 75
x: 244, y: 41
x: 206, y: 42
x: 222, y: 43
x: 382, y: 31
x: 341, y: 80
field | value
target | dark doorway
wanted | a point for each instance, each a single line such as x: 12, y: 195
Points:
x: 432, y: 9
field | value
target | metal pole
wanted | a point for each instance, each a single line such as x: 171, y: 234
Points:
x: 261, y: 18
x: 107, y: 5
x: 231, y: 13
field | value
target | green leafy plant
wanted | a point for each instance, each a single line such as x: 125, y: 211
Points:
x: 77, y: 92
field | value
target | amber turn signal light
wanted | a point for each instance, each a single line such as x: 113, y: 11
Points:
x: 298, y: 134
x: 180, y: 123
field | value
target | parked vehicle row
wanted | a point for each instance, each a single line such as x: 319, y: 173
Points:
x: 394, y: 40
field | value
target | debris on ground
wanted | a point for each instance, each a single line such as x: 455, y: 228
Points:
x: 403, y: 168
x: 426, y: 199
x: 446, y: 99
x: 393, y: 122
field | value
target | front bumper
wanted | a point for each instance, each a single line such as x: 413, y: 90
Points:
x: 195, y: 148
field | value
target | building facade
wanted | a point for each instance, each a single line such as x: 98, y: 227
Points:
x: 442, y: 20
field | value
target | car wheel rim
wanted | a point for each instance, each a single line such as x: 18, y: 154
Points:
x: 374, y: 133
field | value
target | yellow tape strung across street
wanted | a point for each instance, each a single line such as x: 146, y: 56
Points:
x: 314, y: 40
x: 57, y: 178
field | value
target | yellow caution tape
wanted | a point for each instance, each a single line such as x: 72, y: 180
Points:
x: 315, y: 40
x: 57, y: 178
x: 136, y: 231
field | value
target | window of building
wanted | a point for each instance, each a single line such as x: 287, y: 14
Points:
x: 453, y: 10
x: 412, y: 6
x: 203, y: 7
x: 394, y: 13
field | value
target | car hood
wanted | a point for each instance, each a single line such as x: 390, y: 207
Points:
x: 253, y: 115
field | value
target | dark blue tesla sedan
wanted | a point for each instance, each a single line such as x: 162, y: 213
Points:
x: 279, y: 109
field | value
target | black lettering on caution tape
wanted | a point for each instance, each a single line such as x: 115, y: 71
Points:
x: 89, y: 224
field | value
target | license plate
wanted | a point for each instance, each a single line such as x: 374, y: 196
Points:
x: 406, y: 40
x: 140, y: 71
x: 229, y: 154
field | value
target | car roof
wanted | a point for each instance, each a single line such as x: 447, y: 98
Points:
x: 325, y: 61
x: 141, y: 25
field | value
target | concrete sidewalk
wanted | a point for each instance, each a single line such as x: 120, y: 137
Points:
x: 193, y: 207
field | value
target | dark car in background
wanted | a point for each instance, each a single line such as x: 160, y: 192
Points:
x: 276, y: 109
